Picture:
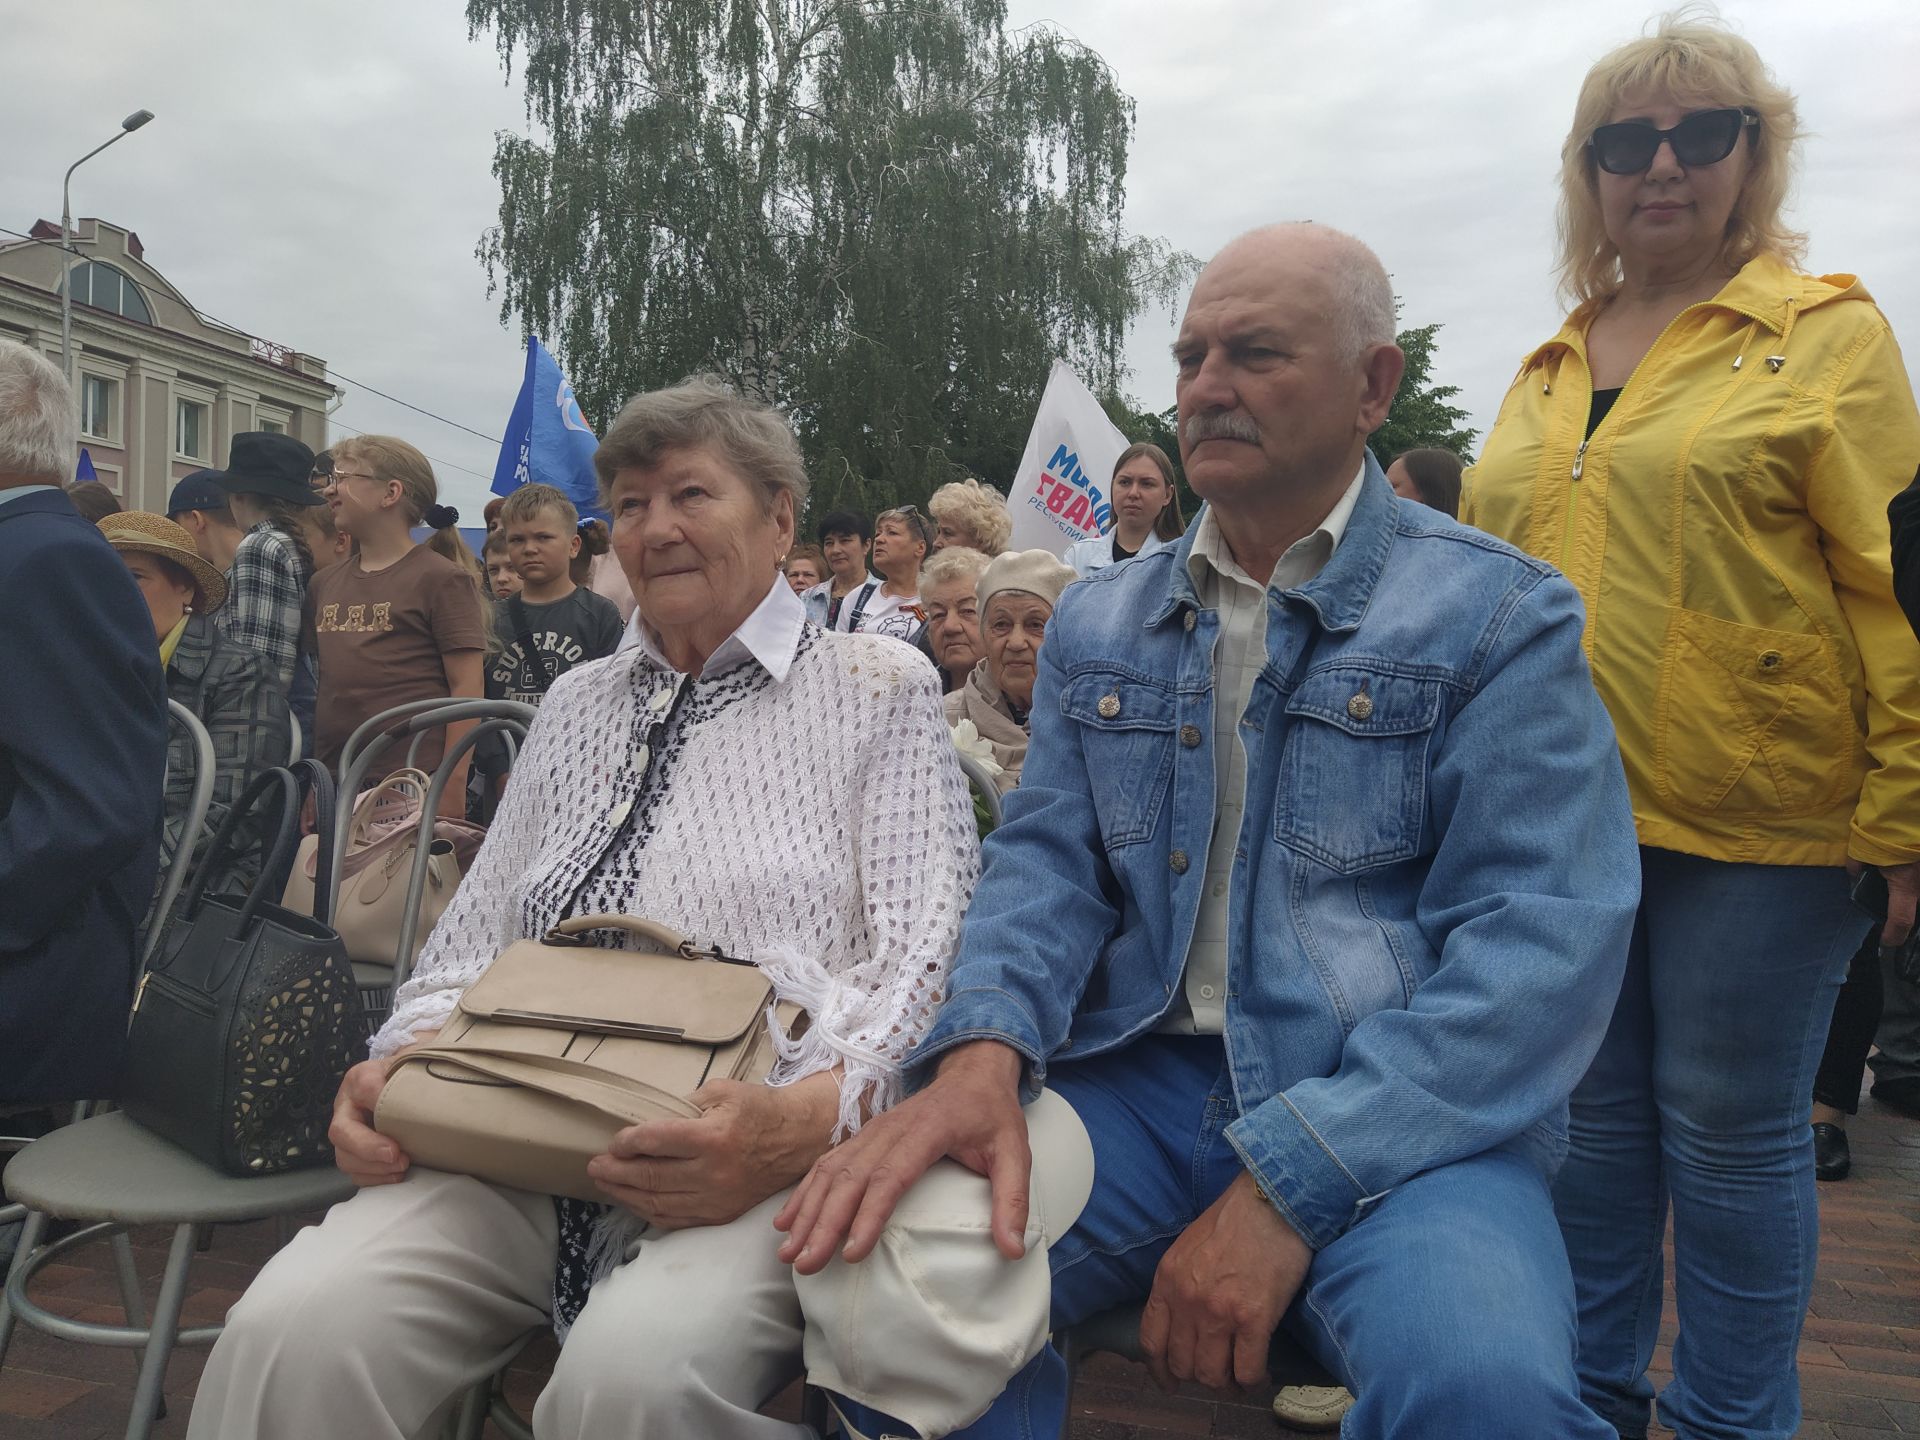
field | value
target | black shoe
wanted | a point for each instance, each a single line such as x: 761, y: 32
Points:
x: 1831, y: 1157
x: 1902, y: 1095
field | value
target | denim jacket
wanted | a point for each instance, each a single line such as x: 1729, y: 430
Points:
x: 1433, y: 886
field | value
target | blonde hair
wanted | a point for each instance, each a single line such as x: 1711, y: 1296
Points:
x: 1692, y: 58
x: 977, y: 510
x: 529, y: 500
x: 387, y: 457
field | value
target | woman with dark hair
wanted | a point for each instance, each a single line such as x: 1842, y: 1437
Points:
x: 1146, y: 512
x: 1431, y: 477
x: 268, y: 481
x: 93, y: 500
x: 228, y: 688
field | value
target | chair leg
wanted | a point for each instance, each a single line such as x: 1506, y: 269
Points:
x: 471, y: 1419
x: 131, y: 1300
x: 166, y: 1326
x: 33, y: 1230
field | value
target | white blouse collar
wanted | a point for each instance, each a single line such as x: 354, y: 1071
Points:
x: 770, y: 635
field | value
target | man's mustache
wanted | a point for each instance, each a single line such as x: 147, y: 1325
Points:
x: 1221, y: 427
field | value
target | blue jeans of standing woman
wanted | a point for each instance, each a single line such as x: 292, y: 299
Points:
x: 1700, y: 1098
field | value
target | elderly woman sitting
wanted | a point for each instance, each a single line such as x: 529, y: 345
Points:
x: 947, y: 594
x: 678, y: 1317
x: 1017, y: 594
x: 969, y: 515
x: 229, y: 688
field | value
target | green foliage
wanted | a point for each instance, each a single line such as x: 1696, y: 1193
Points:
x: 885, y: 216
x: 1422, y: 413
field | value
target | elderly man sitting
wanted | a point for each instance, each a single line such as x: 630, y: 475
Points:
x: 1313, y: 902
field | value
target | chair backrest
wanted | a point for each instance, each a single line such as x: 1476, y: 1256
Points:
x: 983, y: 786
x: 507, y: 717
x: 193, y: 823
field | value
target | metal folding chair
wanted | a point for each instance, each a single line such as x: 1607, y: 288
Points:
x: 364, y: 749
x: 108, y: 1171
x: 196, y: 818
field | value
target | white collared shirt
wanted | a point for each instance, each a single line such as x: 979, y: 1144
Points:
x: 770, y: 635
x: 1239, y: 652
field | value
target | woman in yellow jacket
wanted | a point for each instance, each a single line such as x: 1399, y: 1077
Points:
x: 1707, y: 449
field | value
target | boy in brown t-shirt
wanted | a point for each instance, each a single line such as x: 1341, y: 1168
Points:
x: 398, y: 621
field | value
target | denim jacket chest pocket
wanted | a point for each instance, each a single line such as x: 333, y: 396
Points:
x: 1126, y: 726
x: 1353, y: 773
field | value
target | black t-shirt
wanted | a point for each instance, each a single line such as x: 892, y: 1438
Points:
x: 1120, y: 552
x: 1602, y: 403
x: 1903, y: 515
x: 565, y: 633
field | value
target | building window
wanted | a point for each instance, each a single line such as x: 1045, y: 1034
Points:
x: 273, y: 427
x: 99, y: 407
x: 106, y: 288
x: 190, y: 429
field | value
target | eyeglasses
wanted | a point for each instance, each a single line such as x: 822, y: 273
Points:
x: 337, y: 476
x: 1704, y: 138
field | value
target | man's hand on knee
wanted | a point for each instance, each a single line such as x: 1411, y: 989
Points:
x: 1221, y: 1290
x: 969, y: 1113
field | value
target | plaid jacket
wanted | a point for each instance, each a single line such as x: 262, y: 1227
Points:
x: 266, y: 589
x: 236, y: 697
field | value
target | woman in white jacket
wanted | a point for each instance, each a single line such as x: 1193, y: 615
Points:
x: 1146, y: 512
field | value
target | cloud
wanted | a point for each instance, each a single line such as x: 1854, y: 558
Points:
x: 320, y: 174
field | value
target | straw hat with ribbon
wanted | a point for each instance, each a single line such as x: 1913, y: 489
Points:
x: 157, y: 535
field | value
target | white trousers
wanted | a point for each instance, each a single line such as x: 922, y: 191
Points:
x: 406, y: 1295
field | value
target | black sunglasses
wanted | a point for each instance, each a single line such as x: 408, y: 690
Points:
x: 1704, y: 138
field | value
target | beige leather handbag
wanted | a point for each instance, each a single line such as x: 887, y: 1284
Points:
x: 381, y: 838
x: 561, y: 1043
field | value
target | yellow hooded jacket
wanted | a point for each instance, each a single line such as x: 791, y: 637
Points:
x: 1726, y: 526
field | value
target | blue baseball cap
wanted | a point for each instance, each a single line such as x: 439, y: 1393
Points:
x: 198, y: 491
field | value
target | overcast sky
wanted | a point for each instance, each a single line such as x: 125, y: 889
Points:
x: 318, y: 173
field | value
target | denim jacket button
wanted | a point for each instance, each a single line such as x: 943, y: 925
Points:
x: 1190, y: 735
x: 1360, y: 707
x: 1178, y: 860
x: 1108, y: 707
x: 1192, y: 620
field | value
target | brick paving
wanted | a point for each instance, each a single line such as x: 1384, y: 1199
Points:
x: 1859, y: 1361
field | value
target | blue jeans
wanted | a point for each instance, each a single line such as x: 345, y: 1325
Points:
x: 1701, y: 1094
x: 1448, y: 1310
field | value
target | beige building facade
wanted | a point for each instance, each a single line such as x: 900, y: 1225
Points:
x: 162, y: 392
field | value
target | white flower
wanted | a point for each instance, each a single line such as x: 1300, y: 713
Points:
x: 970, y: 743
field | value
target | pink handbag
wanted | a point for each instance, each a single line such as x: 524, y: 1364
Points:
x: 381, y: 841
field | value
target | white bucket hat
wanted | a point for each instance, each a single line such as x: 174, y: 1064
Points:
x: 931, y: 1326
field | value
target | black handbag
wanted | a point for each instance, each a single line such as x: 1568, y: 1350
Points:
x: 248, y: 1017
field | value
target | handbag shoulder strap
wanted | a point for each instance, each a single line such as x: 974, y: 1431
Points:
x: 317, y: 780
x: 523, y: 632
x: 279, y: 851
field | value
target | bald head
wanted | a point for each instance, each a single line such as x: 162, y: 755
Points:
x: 1353, y: 283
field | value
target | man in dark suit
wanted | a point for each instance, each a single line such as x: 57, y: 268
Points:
x: 83, y: 740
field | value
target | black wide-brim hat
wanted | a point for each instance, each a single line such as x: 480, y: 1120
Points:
x: 261, y: 462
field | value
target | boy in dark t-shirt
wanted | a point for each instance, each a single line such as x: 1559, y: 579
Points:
x: 552, y: 625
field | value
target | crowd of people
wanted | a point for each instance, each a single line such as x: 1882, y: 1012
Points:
x: 1412, y: 912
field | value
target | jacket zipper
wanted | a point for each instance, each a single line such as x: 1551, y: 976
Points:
x: 1580, y: 455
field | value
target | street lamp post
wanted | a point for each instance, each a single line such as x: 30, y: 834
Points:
x: 127, y: 126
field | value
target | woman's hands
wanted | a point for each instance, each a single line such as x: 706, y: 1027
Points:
x: 365, y: 1155
x: 751, y: 1141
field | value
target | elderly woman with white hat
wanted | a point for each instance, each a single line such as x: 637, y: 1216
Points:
x: 1017, y: 594
x: 231, y: 689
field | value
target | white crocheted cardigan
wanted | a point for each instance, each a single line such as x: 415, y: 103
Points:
x: 819, y: 825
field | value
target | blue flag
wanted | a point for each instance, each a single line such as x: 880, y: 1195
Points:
x: 85, y: 470
x: 547, y: 440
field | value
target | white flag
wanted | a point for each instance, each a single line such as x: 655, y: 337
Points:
x: 1060, y: 494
